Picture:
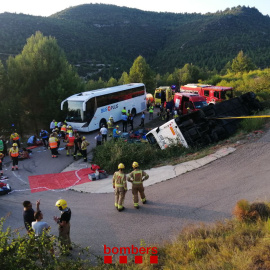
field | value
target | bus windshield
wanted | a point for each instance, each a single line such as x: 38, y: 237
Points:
x: 200, y: 104
x: 75, y: 111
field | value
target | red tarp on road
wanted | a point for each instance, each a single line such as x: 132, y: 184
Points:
x: 62, y: 180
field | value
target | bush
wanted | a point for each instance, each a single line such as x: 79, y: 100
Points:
x: 110, y: 154
x: 244, y: 211
x: 32, y: 253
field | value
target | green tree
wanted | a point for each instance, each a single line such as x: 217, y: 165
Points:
x: 40, y: 78
x: 140, y: 72
x: 124, y: 79
x: 241, y: 63
x: 112, y: 82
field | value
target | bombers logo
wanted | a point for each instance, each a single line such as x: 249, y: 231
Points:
x: 109, y: 108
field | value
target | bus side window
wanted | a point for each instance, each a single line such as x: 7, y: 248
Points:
x: 206, y: 93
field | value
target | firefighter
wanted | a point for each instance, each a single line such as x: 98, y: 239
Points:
x: 137, y: 177
x: 64, y: 223
x: 63, y: 130
x: 120, y: 187
x: 70, y: 144
x: 14, y: 154
x: 15, y: 138
x: 53, y: 145
x: 110, y: 126
x: 84, y: 145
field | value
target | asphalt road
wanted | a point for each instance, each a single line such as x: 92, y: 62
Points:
x: 203, y: 195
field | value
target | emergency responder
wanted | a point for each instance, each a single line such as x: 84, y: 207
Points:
x: 14, y: 154
x: 110, y: 126
x: 70, y: 144
x: 1, y: 163
x: 124, y: 111
x: 116, y: 132
x: 63, y: 131
x: 53, y: 145
x: 45, y: 137
x: 151, y: 112
x: 77, y: 145
x: 69, y: 129
x: 15, y: 138
x: 120, y: 187
x: 84, y: 145
x: 64, y: 223
x: 137, y: 177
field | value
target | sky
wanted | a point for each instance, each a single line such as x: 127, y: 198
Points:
x: 49, y: 7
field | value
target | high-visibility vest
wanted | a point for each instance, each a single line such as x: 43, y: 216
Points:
x: 14, y: 152
x: 119, y: 179
x: 64, y: 128
x: 53, y: 142
x: 70, y: 141
x: 15, y: 136
x: 151, y: 109
x: 124, y: 111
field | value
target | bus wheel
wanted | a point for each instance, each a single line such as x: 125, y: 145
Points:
x: 102, y: 122
x: 133, y: 112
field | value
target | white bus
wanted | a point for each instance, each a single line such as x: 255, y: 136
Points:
x: 88, y: 111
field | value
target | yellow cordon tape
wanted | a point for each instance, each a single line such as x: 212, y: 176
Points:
x: 242, y: 117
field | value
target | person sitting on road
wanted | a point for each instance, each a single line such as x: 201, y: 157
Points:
x: 32, y: 140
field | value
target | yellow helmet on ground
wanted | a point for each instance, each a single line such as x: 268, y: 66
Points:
x: 61, y: 203
x: 121, y: 166
x: 135, y: 164
x: 15, y: 144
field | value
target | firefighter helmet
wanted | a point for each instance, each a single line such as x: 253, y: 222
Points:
x: 61, y: 204
x: 121, y: 166
x: 15, y: 144
x: 135, y: 164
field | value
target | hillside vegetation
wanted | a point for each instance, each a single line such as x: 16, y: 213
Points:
x: 114, y: 36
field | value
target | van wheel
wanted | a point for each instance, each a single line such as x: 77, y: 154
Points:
x: 102, y: 122
x: 133, y: 112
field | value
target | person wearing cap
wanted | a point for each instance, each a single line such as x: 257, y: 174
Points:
x: 14, y: 155
x: 64, y: 223
x: 136, y: 177
x: 84, y: 145
x: 116, y: 132
x: 104, y: 132
x: 120, y: 187
x: 110, y: 126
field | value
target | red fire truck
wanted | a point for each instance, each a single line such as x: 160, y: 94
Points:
x: 189, y: 100
x: 213, y: 94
